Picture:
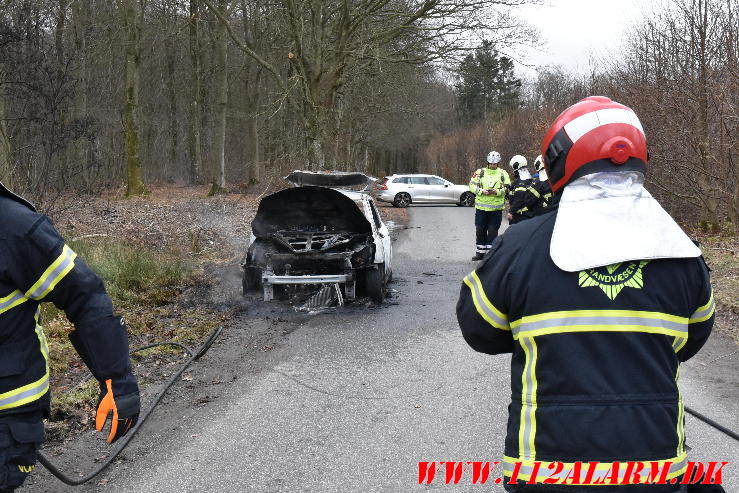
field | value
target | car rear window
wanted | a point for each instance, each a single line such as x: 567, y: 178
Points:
x: 402, y: 179
x: 418, y: 180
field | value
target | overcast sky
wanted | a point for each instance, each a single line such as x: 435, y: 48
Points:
x: 574, y: 31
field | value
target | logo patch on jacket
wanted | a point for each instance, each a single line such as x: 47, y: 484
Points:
x: 613, y: 278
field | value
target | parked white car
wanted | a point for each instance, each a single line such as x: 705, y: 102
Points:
x: 404, y: 190
x: 319, y: 233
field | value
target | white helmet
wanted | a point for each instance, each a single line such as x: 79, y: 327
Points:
x: 538, y: 163
x: 493, y: 157
x: 518, y: 162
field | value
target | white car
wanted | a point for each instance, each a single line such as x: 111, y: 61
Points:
x: 404, y: 190
x: 314, y: 235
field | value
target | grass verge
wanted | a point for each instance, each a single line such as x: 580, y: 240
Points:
x: 144, y: 285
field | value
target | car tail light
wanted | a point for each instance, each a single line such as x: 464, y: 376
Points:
x: 383, y: 185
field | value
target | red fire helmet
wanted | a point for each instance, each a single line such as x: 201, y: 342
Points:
x: 595, y: 134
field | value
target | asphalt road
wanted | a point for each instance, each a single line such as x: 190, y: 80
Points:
x: 352, y: 400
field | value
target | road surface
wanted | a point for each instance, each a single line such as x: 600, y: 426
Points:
x: 353, y: 400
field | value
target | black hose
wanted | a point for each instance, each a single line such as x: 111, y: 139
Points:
x: 193, y: 357
x: 711, y: 422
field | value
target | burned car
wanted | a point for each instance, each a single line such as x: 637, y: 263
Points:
x: 317, y: 234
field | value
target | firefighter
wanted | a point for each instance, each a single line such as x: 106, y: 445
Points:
x: 488, y: 185
x: 599, y: 300
x: 36, y: 266
x: 540, y: 188
x: 520, y: 195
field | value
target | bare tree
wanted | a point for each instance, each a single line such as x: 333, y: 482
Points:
x: 131, y: 20
x: 330, y: 38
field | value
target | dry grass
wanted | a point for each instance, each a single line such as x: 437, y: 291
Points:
x: 150, y: 253
x: 722, y: 255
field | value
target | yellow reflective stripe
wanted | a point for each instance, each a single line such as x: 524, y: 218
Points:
x: 41, y: 336
x: 12, y: 300
x: 704, y: 312
x: 527, y: 423
x: 599, y: 313
x: 678, y: 466
x: 53, y: 274
x: 680, y: 415
x: 35, y: 390
x: 485, y: 308
x: 535, y: 192
x: 600, y: 321
x: 597, y: 328
x: 28, y: 393
x: 679, y: 343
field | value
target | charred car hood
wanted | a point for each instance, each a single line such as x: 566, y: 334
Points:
x: 332, y: 179
x: 308, y: 208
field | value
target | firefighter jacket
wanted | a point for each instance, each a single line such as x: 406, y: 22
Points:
x: 489, y: 179
x: 37, y: 266
x: 543, y: 193
x: 595, y: 354
x: 521, y: 199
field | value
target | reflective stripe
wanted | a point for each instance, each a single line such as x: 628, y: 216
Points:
x: 53, y: 274
x: 24, y: 395
x: 680, y: 415
x: 12, y: 300
x: 678, y: 466
x: 527, y: 425
x: 485, y: 308
x: 679, y: 342
x: 600, y: 321
x: 534, y: 192
x: 489, y: 207
x: 522, y: 210
x: 35, y: 390
x: 704, y: 312
x: 598, y: 118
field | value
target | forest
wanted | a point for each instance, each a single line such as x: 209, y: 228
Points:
x: 126, y: 94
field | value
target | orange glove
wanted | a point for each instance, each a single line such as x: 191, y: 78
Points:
x: 125, y: 411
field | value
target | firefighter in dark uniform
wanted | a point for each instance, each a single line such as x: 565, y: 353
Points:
x: 520, y: 196
x: 540, y: 190
x: 599, y: 300
x: 37, y: 266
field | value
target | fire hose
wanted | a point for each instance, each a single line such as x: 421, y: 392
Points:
x: 194, y: 356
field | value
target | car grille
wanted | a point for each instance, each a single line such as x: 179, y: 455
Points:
x: 304, y: 242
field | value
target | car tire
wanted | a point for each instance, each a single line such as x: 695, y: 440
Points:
x: 467, y: 199
x: 373, y: 284
x: 402, y: 200
x: 252, y: 280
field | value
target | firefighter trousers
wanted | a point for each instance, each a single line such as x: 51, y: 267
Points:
x: 20, y: 437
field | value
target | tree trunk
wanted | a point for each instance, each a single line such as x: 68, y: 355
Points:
x: 254, y: 174
x: 221, y: 84
x: 79, y: 151
x: 6, y: 152
x: 196, y: 158
x: 172, y: 97
x: 131, y: 104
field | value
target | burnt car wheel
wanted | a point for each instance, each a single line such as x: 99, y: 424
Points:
x: 252, y: 279
x: 402, y: 200
x: 467, y: 200
x: 374, y: 287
